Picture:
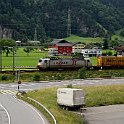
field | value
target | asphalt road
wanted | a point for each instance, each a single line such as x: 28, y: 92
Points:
x: 14, y: 111
x: 45, y: 84
x: 112, y: 114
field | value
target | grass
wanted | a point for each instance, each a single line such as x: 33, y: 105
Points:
x: 104, y: 95
x: 60, y: 75
x: 95, y: 96
x: 86, y: 40
x: 22, y: 59
x: 49, y: 101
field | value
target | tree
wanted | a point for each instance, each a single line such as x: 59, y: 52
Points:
x: 114, y: 43
x: 7, y: 45
x: 82, y: 73
x: 105, y: 43
x: 28, y: 50
x: 122, y: 33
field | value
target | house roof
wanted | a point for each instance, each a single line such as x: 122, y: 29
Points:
x: 64, y: 44
x: 120, y: 48
x: 57, y: 41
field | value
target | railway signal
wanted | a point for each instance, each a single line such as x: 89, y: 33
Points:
x: 19, y: 82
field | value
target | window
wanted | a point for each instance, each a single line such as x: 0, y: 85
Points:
x: 45, y: 61
x: 40, y: 60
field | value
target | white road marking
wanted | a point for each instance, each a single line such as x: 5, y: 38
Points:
x: 90, y: 83
x: 26, y: 89
x: 32, y: 109
x: 6, y: 113
x: 13, y: 86
x: 8, y: 92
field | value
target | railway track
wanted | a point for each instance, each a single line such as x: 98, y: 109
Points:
x: 31, y: 70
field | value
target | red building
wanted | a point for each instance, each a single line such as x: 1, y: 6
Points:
x: 60, y: 47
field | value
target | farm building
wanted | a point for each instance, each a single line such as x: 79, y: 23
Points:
x: 60, y: 47
x: 91, y: 52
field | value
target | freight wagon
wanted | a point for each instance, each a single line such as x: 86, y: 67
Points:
x: 63, y: 63
x: 110, y: 62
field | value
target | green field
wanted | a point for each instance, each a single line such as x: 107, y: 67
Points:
x: 86, y: 40
x: 23, y: 59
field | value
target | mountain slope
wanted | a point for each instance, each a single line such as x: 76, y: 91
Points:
x: 57, y: 18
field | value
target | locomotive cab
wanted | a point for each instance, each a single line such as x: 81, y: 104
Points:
x: 43, y: 63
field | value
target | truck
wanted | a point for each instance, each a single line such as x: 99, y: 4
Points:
x: 70, y: 98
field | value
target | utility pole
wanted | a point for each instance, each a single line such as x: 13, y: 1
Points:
x: 0, y: 60
x: 69, y: 23
x: 18, y: 42
x: 13, y: 51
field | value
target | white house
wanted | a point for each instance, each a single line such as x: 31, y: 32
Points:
x: 77, y: 48
x: 91, y: 52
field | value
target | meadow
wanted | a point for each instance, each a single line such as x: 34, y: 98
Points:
x: 85, y: 40
x: 23, y: 59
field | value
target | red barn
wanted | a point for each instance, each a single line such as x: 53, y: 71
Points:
x: 60, y: 47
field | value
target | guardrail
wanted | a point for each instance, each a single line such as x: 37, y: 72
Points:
x: 38, y: 103
x: 44, y: 109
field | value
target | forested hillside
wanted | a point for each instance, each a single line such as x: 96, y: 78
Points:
x: 59, y: 18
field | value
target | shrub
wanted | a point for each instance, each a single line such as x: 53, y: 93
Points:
x: 69, y: 86
x: 82, y: 73
x: 4, y: 77
x: 36, y: 77
x: 58, y: 76
x: 109, y: 53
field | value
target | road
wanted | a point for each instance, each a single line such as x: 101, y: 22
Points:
x: 17, y: 112
x: 112, y: 114
x: 45, y: 84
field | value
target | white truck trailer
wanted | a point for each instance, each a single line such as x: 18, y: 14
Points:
x: 70, y: 97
